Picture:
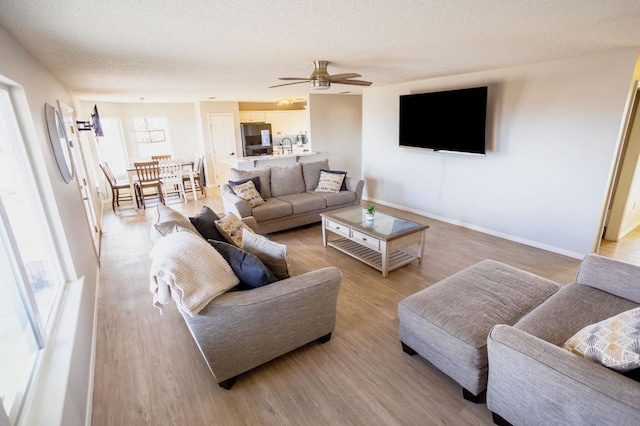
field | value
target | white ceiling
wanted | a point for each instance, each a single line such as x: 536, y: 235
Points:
x: 121, y: 50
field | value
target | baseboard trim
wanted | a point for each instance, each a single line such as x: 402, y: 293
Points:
x: 487, y: 231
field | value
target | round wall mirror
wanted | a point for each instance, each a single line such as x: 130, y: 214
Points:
x: 59, y: 142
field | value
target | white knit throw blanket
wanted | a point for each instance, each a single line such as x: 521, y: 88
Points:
x: 188, y: 270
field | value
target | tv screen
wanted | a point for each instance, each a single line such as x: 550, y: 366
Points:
x: 453, y: 120
x: 96, y: 125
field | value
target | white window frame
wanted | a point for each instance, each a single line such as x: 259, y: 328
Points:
x: 28, y: 149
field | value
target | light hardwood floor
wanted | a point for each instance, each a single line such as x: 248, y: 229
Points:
x: 149, y: 371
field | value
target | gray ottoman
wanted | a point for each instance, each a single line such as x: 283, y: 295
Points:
x: 448, y: 323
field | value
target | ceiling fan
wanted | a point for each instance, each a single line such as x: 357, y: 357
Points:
x: 321, y: 80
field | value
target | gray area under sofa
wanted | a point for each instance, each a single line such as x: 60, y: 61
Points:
x: 533, y: 380
x: 290, y: 196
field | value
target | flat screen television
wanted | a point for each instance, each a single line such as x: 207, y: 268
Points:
x: 451, y: 121
x: 96, y: 125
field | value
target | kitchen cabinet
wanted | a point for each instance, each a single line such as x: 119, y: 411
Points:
x: 252, y: 117
x: 292, y: 122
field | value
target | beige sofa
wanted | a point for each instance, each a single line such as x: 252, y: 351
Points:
x: 290, y: 196
x: 240, y: 330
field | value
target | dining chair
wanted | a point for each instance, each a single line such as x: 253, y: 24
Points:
x: 117, y: 185
x: 171, y: 178
x: 149, y: 177
x: 161, y: 157
x: 198, y: 175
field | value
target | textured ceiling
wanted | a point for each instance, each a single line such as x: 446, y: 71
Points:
x: 121, y: 50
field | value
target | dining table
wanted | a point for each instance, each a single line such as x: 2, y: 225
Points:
x: 187, y: 166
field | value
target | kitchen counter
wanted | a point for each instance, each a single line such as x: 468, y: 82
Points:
x: 252, y: 162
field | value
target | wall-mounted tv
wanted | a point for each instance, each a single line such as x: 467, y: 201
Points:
x: 452, y: 121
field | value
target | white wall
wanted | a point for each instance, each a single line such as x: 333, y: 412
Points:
x: 335, y: 131
x: 69, y: 399
x: 552, y: 138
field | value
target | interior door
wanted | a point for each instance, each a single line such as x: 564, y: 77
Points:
x: 223, y: 144
x: 80, y: 172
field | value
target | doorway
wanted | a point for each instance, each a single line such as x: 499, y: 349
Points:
x: 621, y: 232
x: 223, y: 145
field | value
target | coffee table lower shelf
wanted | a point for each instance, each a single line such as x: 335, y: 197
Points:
x: 371, y: 257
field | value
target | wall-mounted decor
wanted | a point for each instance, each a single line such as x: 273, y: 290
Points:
x: 59, y: 141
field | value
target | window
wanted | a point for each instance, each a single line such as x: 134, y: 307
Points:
x: 30, y: 272
x: 111, y: 147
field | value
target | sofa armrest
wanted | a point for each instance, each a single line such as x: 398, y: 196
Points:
x: 355, y: 185
x: 240, y: 330
x: 252, y: 223
x: 618, y: 278
x: 232, y: 203
x: 533, y: 382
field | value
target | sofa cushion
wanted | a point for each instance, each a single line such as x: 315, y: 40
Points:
x: 255, y: 180
x: 304, y: 202
x: 330, y: 182
x: 263, y: 174
x: 205, y: 224
x: 231, y: 229
x: 286, y: 180
x: 337, y: 198
x: 272, y: 254
x: 273, y: 208
x: 613, y: 342
x: 165, y: 223
x: 572, y: 308
x: 250, y: 270
x: 311, y: 173
x: 247, y: 191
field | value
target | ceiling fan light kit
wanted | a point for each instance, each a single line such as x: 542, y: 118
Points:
x: 320, y: 79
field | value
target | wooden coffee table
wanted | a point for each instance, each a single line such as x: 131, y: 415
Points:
x: 378, y: 243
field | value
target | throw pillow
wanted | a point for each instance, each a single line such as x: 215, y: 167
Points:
x: 343, y: 187
x: 166, y: 221
x: 614, y: 342
x: 251, y: 272
x: 188, y: 270
x: 272, y: 254
x: 205, y: 224
x: 247, y: 191
x: 311, y: 173
x: 330, y: 182
x: 264, y: 175
x: 231, y: 229
x: 255, y: 180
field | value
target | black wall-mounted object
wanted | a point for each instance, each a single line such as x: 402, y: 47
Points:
x: 93, y: 124
x: 451, y: 121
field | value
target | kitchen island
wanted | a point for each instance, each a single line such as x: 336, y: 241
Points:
x: 262, y: 161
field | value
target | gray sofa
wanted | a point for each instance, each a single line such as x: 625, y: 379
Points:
x: 290, y: 196
x: 534, y: 381
x: 240, y: 330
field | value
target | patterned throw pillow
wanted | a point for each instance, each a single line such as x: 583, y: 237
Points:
x: 247, y: 191
x: 329, y: 182
x: 231, y: 229
x: 614, y: 342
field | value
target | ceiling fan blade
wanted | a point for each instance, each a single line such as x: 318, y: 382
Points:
x: 288, y: 84
x: 354, y: 82
x: 293, y: 78
x: 335, y: 77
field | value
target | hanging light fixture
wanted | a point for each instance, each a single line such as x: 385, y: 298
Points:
x: 147, y: 133
x: 284, y: 101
